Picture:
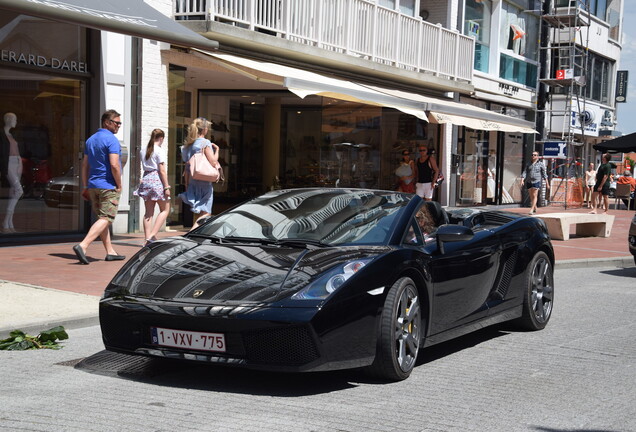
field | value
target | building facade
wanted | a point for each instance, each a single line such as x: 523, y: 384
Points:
x: 316, y: 93
x: 61, y: 65
x: 307, y: 99
x: 584, y: 113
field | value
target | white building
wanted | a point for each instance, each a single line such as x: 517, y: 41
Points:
x: 300, y: 93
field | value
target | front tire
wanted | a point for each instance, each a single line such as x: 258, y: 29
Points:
x: 400, y: 332
x: 539, y: 293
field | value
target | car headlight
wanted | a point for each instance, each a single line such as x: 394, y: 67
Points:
x: 331, y: 281
x: 123, y: 277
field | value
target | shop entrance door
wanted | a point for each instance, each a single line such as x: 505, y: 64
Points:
x: 472, y: 187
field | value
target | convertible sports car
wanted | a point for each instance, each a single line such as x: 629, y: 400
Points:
x: 317, y: 279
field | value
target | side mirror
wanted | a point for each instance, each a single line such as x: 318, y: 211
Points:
x: 452, y: 233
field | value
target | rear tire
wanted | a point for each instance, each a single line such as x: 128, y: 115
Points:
x: 539, y: 293
x: 400, y: 332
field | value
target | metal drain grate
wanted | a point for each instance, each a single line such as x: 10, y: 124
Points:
x: 71, y: 363
x: 112, y: 363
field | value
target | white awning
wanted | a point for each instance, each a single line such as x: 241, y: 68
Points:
x: 476, y: 123
x: 134, y: 18
x: 444, y: 111
x: 304, y: 83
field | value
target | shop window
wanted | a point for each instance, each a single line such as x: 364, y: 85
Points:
x: 184, y: 104
x: 477, y: 24
x: 517, y: 70
x: 324, y: 142
x: 45, y: 107
x: 472, y: 164
x: 518, y: 45
x: 348, y: 145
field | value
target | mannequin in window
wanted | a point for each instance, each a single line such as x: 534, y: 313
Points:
x: 10, y: 169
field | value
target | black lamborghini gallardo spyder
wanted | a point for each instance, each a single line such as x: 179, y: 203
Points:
x: 317, y: 279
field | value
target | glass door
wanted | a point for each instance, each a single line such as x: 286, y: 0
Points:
x: 472, y: 187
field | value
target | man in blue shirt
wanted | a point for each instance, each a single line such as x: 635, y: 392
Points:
x: 101, y: 181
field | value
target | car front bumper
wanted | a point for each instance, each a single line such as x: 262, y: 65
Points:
x: 284, y: 339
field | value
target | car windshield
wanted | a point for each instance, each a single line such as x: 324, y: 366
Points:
x: 318, y: 216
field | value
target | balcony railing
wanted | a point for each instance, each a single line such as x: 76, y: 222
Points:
x: 359, y: 28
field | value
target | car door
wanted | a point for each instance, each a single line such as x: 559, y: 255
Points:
x: 462, y: 279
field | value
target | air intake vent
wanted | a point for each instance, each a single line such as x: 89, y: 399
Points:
x: 205, y: 264
x: 506, y: 274
x: 285, y: 346
x: 496, y: 219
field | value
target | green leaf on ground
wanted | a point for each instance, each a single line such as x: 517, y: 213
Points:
x: 19, y: 341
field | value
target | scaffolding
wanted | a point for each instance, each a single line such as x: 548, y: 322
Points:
x: 566, y: 45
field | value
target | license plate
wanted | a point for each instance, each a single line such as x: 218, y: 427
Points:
x: 188, y: 339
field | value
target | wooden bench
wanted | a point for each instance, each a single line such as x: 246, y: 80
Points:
x: 596, y: 225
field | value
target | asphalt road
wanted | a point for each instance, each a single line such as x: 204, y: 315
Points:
x: 579, y: 374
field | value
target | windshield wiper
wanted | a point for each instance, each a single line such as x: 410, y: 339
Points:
x: 212, y: 238
x: 303, y: 243
x: 300, y: 243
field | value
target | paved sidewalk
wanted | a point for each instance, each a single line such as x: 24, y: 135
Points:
x: 44, y: 285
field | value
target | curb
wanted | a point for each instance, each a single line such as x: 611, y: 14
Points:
x: 33, y: 308
x: 36, y: 327
x: 621, y: 262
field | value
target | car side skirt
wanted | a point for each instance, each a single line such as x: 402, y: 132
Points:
x: 503, y: 316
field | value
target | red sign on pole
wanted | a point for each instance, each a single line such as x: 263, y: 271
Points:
x: 560, y: 74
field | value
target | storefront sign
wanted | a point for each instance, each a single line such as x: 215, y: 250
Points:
x: 588, y: 119
x: 43, y: 61
x: 621, y: 86
x: 555, y: 149
x: 508, y: 90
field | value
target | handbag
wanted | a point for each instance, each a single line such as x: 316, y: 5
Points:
x: 202, y: 169
x: 440, y: 179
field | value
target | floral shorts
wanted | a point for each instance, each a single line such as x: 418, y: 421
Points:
x: 105, y: 203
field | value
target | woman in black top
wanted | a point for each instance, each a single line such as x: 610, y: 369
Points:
x: 426, y: 173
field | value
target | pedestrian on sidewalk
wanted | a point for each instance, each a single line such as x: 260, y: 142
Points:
x: 199, y: 194
x: 590, y: 181
x: 602, y: 186
x: 426, y: 173
x: 532, y: 177
x: 101, y: 184
x: 154, y: 187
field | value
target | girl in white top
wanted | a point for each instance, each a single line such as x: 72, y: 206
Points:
x: 154, y: 187
x: 590, y: 181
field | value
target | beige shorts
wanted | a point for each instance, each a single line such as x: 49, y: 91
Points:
x: 105, y: 203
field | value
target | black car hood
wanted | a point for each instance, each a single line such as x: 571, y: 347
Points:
x: 188, y: 269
